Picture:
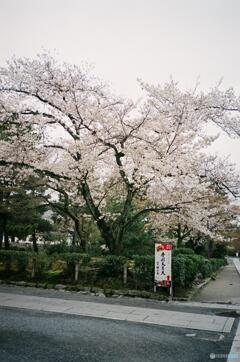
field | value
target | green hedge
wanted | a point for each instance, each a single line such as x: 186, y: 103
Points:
x: 185, y: 251
x: 185, y: 265
x: 179, y: 271
x: 21, y: 258
x: 42, y: 262
x: 186, y: 268
x: 143, y: 270
x: 111, y: 266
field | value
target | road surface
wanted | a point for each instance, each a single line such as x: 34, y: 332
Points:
x: 47, y: 325
x: 27, y: 335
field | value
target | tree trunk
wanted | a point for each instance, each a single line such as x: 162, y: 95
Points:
x: 6, y: 241
x: 76, y: 272
x: 74, y: 236
x: 125, y: 274
x: 118, y: 248
x: 210, y: 248
x: 103, y: 227
x: 113, y: 240
x: 191, y: 243
x: 34, y: 240
x: 1, y: 222
x: 33, y: 273
x: 1, y: 238
x: 179, y: 237
x: 79, y: 235
x: 5, y: 233
x: 121, y: 227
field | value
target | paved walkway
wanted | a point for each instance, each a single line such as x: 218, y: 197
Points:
x: 226, y: 287
x: 119, y: 312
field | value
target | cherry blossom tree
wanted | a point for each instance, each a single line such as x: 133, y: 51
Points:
x: 217, y: 225
x: 68, y: 127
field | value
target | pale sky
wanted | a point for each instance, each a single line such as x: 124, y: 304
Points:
x: 129, y: 39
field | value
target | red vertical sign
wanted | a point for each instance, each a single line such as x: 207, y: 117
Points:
x: 163, y: 264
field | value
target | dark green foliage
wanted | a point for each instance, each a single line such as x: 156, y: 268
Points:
x: 56, y: 248
x: 71, y: 259
x: 202, y: 264
x: 206, y: 268
x: 143, y: 270
x: 21, y: 212
x: 182, y: 251
x: 231, y: 251
x: 83, y: 259
x: 22, y: 262
x: 191, y: 271
x: 217, y: 263
x: 43, y: 264
x: 62, y: 248
x: 112, y: 266
x: 185, y: 267
x: 219, y: 251
x: 133, y: 236
x: 13, y: 255
x: 179, y: 271
x: 138, y: 239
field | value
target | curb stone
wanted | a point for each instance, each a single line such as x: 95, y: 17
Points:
x: 110, y: 292
x: 92, y: 291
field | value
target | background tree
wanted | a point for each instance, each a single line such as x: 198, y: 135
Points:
x: 22, y: 213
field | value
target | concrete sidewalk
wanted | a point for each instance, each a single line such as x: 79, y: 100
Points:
x: 119, y: 312
x: 226, y: 287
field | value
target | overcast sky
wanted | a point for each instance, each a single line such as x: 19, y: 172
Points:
x: 130, y: 39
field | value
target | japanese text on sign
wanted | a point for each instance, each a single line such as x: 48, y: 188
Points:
x: 163, y: 264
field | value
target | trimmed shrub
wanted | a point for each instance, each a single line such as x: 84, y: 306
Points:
x: 216, y: 263
x: 62, y: 248
x: 231, y: 251
x: 179, y: 271
x: 19, y: 258
x: 22, y: 261
x: 191, y: 270
x: 56, y: 248
x: 219, y: 251
x: 183, y: 251
x: 203, y: 265
x: 143, y: 268
x: 71, y: 259
x: 111, y: 266
x: 185, y: 266
x: 42, y: 263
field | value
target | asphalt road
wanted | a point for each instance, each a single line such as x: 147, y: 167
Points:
x: 39, y: 336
